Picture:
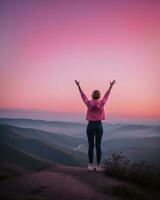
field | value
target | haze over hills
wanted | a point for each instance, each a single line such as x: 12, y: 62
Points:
x: 32, y: 151
x: 67, y: 128
x: 76, y: 117
x: 147, y: 148
x: 79, y: 129
x: 134, y: 141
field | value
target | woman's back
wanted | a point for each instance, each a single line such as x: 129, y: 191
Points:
x: 95, y: 107
x: 95, y: 110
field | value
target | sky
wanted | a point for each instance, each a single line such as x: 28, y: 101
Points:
x: 46, y: 45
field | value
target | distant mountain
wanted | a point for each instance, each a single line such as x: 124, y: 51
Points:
x: 119, y: 131
x: 69, y: 142
x: 111, y: 131
x: 60, y: 127
x: 135, y: 148
x: 149, y: 143
x: 19, y: 147
x: 135, y: 141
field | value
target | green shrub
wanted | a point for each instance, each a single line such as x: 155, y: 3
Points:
x: 141, y: 172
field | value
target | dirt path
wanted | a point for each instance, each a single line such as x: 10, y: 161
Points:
x: 62, y: 183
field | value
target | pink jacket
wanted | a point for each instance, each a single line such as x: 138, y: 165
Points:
x: 95, y: 107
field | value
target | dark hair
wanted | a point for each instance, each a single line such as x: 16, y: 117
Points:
x: 96, y: 94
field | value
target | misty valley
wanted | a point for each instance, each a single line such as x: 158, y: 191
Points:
x: 34, y: 144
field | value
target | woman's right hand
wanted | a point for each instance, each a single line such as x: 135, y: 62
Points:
x: 112, y: 83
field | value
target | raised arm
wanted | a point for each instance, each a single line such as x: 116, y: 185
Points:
x: 105, y: 97
x: 84, y: 97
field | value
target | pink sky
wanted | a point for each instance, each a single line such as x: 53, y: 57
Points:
x: 46, y: 45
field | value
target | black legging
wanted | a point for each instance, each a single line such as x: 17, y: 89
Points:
x: 94, y: 130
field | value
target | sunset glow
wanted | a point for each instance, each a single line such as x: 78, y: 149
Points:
x: 46, y: 45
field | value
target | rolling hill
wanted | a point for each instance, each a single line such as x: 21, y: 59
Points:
x: 137, y: 142
x: 18, y: 147
x: 60, y: 127
x: 111, y: 131
x: 54, y: 138
x: 147, y: 148
x: 16, y: 156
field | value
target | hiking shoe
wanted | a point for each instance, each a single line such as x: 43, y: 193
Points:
x: 98, y: 168
x: 90, y: 167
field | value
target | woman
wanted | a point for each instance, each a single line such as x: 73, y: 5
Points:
x: 95, y: 113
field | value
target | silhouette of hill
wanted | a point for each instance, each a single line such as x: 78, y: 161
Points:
x: 54, y: 138
x: 133, y: 148
x: 17, y: 156
x: 67, y: 128
x: 16, y: 147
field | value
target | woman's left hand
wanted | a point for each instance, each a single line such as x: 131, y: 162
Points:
x: 77, y: 82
